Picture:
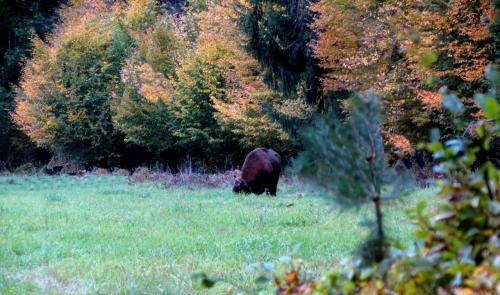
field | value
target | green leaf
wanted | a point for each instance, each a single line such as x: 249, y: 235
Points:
x: 488, y: 104
x: 443, y: 216
x: 491, y: 108
x: 492, y: 73
x: 348, y: 286
x: 495, y: 207
x: 262, y: 280
x: 435, y: 146
x: 428, y: 59
x: 452, y: 103
x: 435, y: 135
x: 457, y: 280
x: 421, y: 207
x: 431, y: 81
x: 366, y: 273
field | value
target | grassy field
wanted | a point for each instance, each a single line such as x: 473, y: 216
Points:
x: 99, y: 235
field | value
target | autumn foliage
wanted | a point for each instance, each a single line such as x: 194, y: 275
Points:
x: 128, y: 73
x: 213, y: 79
x: 406, y: 50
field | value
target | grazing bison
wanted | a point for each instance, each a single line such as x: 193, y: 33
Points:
x: 260, y: 172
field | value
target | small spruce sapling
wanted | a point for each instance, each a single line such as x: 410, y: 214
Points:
x: 347, y: 157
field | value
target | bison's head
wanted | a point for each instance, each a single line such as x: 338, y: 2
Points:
x: 240, y: 186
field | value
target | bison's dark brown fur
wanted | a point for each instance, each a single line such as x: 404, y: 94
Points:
x: 260, y: 172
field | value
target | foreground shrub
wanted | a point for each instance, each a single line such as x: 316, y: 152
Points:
x: 458, y: 245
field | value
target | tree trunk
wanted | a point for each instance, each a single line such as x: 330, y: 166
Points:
x: 380, y: 229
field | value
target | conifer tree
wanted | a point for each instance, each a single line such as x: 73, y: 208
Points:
x: 348, y: 158
x: 278, y: 36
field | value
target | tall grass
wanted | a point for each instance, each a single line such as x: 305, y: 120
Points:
x: 98, y: 234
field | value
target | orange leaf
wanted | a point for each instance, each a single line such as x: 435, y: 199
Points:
x: 291, y: 277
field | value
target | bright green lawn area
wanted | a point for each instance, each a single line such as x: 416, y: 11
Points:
x: 100, y: 235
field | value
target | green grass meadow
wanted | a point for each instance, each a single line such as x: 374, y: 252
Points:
x: 100, y: 235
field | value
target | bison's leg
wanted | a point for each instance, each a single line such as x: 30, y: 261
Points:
x: 272, y: 190
x: 273, y: 186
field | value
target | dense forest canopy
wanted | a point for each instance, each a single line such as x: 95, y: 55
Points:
x: 19, y: 21
x: 125, y: 83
